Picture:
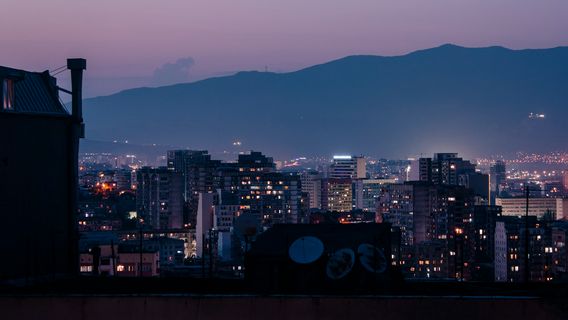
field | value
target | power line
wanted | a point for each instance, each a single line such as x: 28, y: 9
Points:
x: 57, y: 69
x: 58, y: 72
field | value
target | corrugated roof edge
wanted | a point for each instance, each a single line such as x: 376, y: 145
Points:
x: 34, y: 92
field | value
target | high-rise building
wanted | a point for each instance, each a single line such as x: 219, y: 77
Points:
x: 273, y: 197
x: 368, y: 191
x: 498, y: 176
x: 558, y: 251
x: 199, y: 174
x: 444, y: 168
x: 476, y: 181
x: 425, y: 169
x: 516, y: 248
x: 311, y: 184
x: 176, y: 203
x: 539, y: 207
x: 176, y: 159
x: 500, y: 252
x: 225, y: 210
x: 255, y: 162
x: 396, y: 206
x: 413, y: 170
x: 409, y: 206
x: 565, y: 181
x: 123, y: 178
x: 204, y: 223
x: 336, y: 195
x: 348, y: 167
x: 546, y: 248
x: 304, y: 216
x: 434, y: 220
x: 159, y: 198
x: 482, y: 240
x: 449, y: 169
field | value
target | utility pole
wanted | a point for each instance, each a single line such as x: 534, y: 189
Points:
x: 113, y: 258
x: 203, y: 256
x: 141, y: 236
x: 210, y: 247
x: 527, y: 235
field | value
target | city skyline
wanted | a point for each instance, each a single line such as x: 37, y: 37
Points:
x: 250, y: 159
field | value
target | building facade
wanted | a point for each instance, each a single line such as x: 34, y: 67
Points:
x: 159, y: 197
x: 337, y: 194
x: 537, y: 206
x: 348, y: 167
x: 38, y: 207
x: 311, y: 184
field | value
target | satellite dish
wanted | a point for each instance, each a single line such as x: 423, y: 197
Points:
x: 305, y: 250
x: 340, y: 263
x: 372, y: 258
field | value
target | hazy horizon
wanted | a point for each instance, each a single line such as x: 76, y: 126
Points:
x: 147, y: 43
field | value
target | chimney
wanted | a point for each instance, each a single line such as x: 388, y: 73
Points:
x: 77, y: 66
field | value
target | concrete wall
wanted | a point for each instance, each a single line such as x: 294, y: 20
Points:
x: 212, y: 307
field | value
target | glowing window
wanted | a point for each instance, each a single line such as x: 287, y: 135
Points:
x: 7, y: 94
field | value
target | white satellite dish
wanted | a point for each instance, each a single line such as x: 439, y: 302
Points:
x: 340, y: 263
x: 372, y: 258
x: 305, y: 250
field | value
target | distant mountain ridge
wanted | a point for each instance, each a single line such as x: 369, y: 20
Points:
x: 449, y: 98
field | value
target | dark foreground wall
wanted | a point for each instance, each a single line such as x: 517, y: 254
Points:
x: 175, y: 307
x: 36, y: 233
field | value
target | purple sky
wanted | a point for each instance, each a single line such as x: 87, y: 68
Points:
x: 129, y: 42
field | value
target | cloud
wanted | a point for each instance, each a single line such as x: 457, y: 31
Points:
x: 171, y: 73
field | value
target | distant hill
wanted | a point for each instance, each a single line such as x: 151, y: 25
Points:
x: 470, y: 100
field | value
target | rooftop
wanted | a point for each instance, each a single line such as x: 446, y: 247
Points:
x: 30, y: 92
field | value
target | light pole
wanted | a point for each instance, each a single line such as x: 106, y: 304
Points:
x: 527, y: 235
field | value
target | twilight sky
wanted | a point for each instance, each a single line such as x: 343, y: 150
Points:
x: 131, y: 43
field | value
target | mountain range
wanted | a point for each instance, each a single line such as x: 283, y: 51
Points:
x: 476, y: 101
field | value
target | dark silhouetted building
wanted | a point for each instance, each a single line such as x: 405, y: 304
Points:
x: 482, y: 235
x: 444, y: 168
x: 159, y: 197
x: 498, y: 177
x: 38, y: 205
x: 338, y: 264
x: 198, y: 172
x: 433, y: 220
x: 449, y: 169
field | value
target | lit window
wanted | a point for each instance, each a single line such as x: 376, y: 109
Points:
x: 7, y: 94
x: 86, y: 268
